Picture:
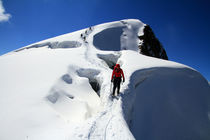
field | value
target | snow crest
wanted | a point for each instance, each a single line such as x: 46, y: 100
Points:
x: 60, y: 89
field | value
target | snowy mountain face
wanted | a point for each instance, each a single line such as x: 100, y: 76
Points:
x: 59, y: 89
x: 119, y: 36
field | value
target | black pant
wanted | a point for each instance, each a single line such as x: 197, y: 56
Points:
x: 117, y: 82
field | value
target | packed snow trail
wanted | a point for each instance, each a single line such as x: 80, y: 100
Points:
x: 107, y: 125
x: 108, y: 120
x: 103, y: 125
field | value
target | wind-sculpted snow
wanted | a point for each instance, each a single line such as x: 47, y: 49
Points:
x: 54, y: 45
x: 109, y: 59
x: 67, y: 78
x: 123, y: 36
x: 170, y: 105
x: 108, y: 39
x: 91, y: 74
x: 167, y: 103
x: 66, y: 44
x: 65, y: 94
x: 72, y: 103
x: 55, y: 95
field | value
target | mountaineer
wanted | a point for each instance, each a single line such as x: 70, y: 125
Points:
x: 116, y: 78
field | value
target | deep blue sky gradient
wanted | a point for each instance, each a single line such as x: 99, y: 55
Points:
x: 182, y: 26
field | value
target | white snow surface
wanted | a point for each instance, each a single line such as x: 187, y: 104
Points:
x: 45, y: 90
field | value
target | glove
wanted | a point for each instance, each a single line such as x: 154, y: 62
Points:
x: 123, y: 80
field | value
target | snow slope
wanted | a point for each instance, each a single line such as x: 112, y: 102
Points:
x: 59, y: 89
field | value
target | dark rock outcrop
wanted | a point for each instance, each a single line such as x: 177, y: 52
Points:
x: 151, y: 46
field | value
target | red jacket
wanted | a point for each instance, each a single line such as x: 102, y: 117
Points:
x: 117, y: 72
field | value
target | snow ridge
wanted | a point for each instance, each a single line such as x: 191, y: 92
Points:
x: 61, y: 90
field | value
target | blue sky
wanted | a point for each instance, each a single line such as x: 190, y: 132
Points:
x: 182, y: 26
